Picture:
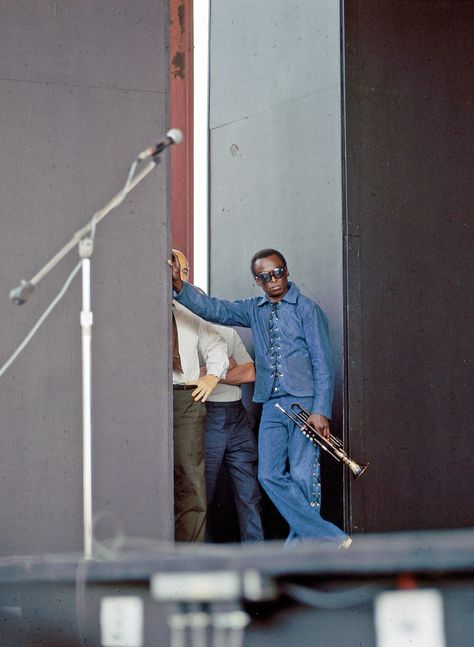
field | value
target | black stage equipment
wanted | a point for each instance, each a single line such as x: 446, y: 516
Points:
x: 405, y: 587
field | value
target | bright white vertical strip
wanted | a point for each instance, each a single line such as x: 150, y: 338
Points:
x: 201, y: 19
x: 86, y: 336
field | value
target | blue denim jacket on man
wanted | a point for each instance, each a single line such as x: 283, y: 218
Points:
x: 306, y: 357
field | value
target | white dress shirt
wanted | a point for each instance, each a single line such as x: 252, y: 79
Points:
x: 196, y: 336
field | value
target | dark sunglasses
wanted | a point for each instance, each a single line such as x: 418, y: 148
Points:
x: 266, y: 277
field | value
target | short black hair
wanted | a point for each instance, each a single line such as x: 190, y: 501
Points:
x: 265, y: 253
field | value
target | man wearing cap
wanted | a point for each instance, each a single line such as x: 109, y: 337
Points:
x: 192, y: 337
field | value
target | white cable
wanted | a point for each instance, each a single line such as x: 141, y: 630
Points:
x: 41, y: 319
x: 118, y: 200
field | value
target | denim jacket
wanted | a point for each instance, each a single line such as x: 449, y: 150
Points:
x: 304, y: 355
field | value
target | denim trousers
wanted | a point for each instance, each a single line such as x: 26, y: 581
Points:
x: 289, y: 472
x: 230, y: 441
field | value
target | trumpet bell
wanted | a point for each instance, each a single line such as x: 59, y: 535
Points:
x: 332, y: 445
x: 358, y: 470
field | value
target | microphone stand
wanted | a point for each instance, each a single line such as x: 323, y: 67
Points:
x: 84, y: 239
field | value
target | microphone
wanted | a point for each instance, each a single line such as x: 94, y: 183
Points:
x: 173, y: 136
x: 21, y: 293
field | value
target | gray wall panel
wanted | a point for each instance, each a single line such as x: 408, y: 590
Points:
x: 108, y: 44
x: 269, y: 52
x: 83, y: 89
x: 275, y: 148
x: 410, y: 194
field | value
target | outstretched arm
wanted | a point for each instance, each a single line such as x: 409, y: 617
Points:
x: 214, y: 351
x: 228, y: 313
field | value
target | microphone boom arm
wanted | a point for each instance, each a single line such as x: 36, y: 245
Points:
x: 21, y: 293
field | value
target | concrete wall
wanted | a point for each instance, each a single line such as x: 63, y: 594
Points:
x: 275, y: 150
x: 83, y: 89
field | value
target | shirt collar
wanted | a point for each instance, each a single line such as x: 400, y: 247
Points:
x: 291, y: 295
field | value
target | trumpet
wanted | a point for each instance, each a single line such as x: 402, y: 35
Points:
x: 332, y: 445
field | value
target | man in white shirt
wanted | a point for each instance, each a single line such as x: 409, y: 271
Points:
x: 192, y: 337
x: 229, y: 438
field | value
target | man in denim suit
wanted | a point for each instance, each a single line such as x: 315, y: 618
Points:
x: 293, y: 364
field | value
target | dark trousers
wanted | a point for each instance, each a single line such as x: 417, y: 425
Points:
x: 189, y: 479
x: 230, y: 441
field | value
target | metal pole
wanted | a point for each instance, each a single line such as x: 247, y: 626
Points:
x: 85, y: 251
